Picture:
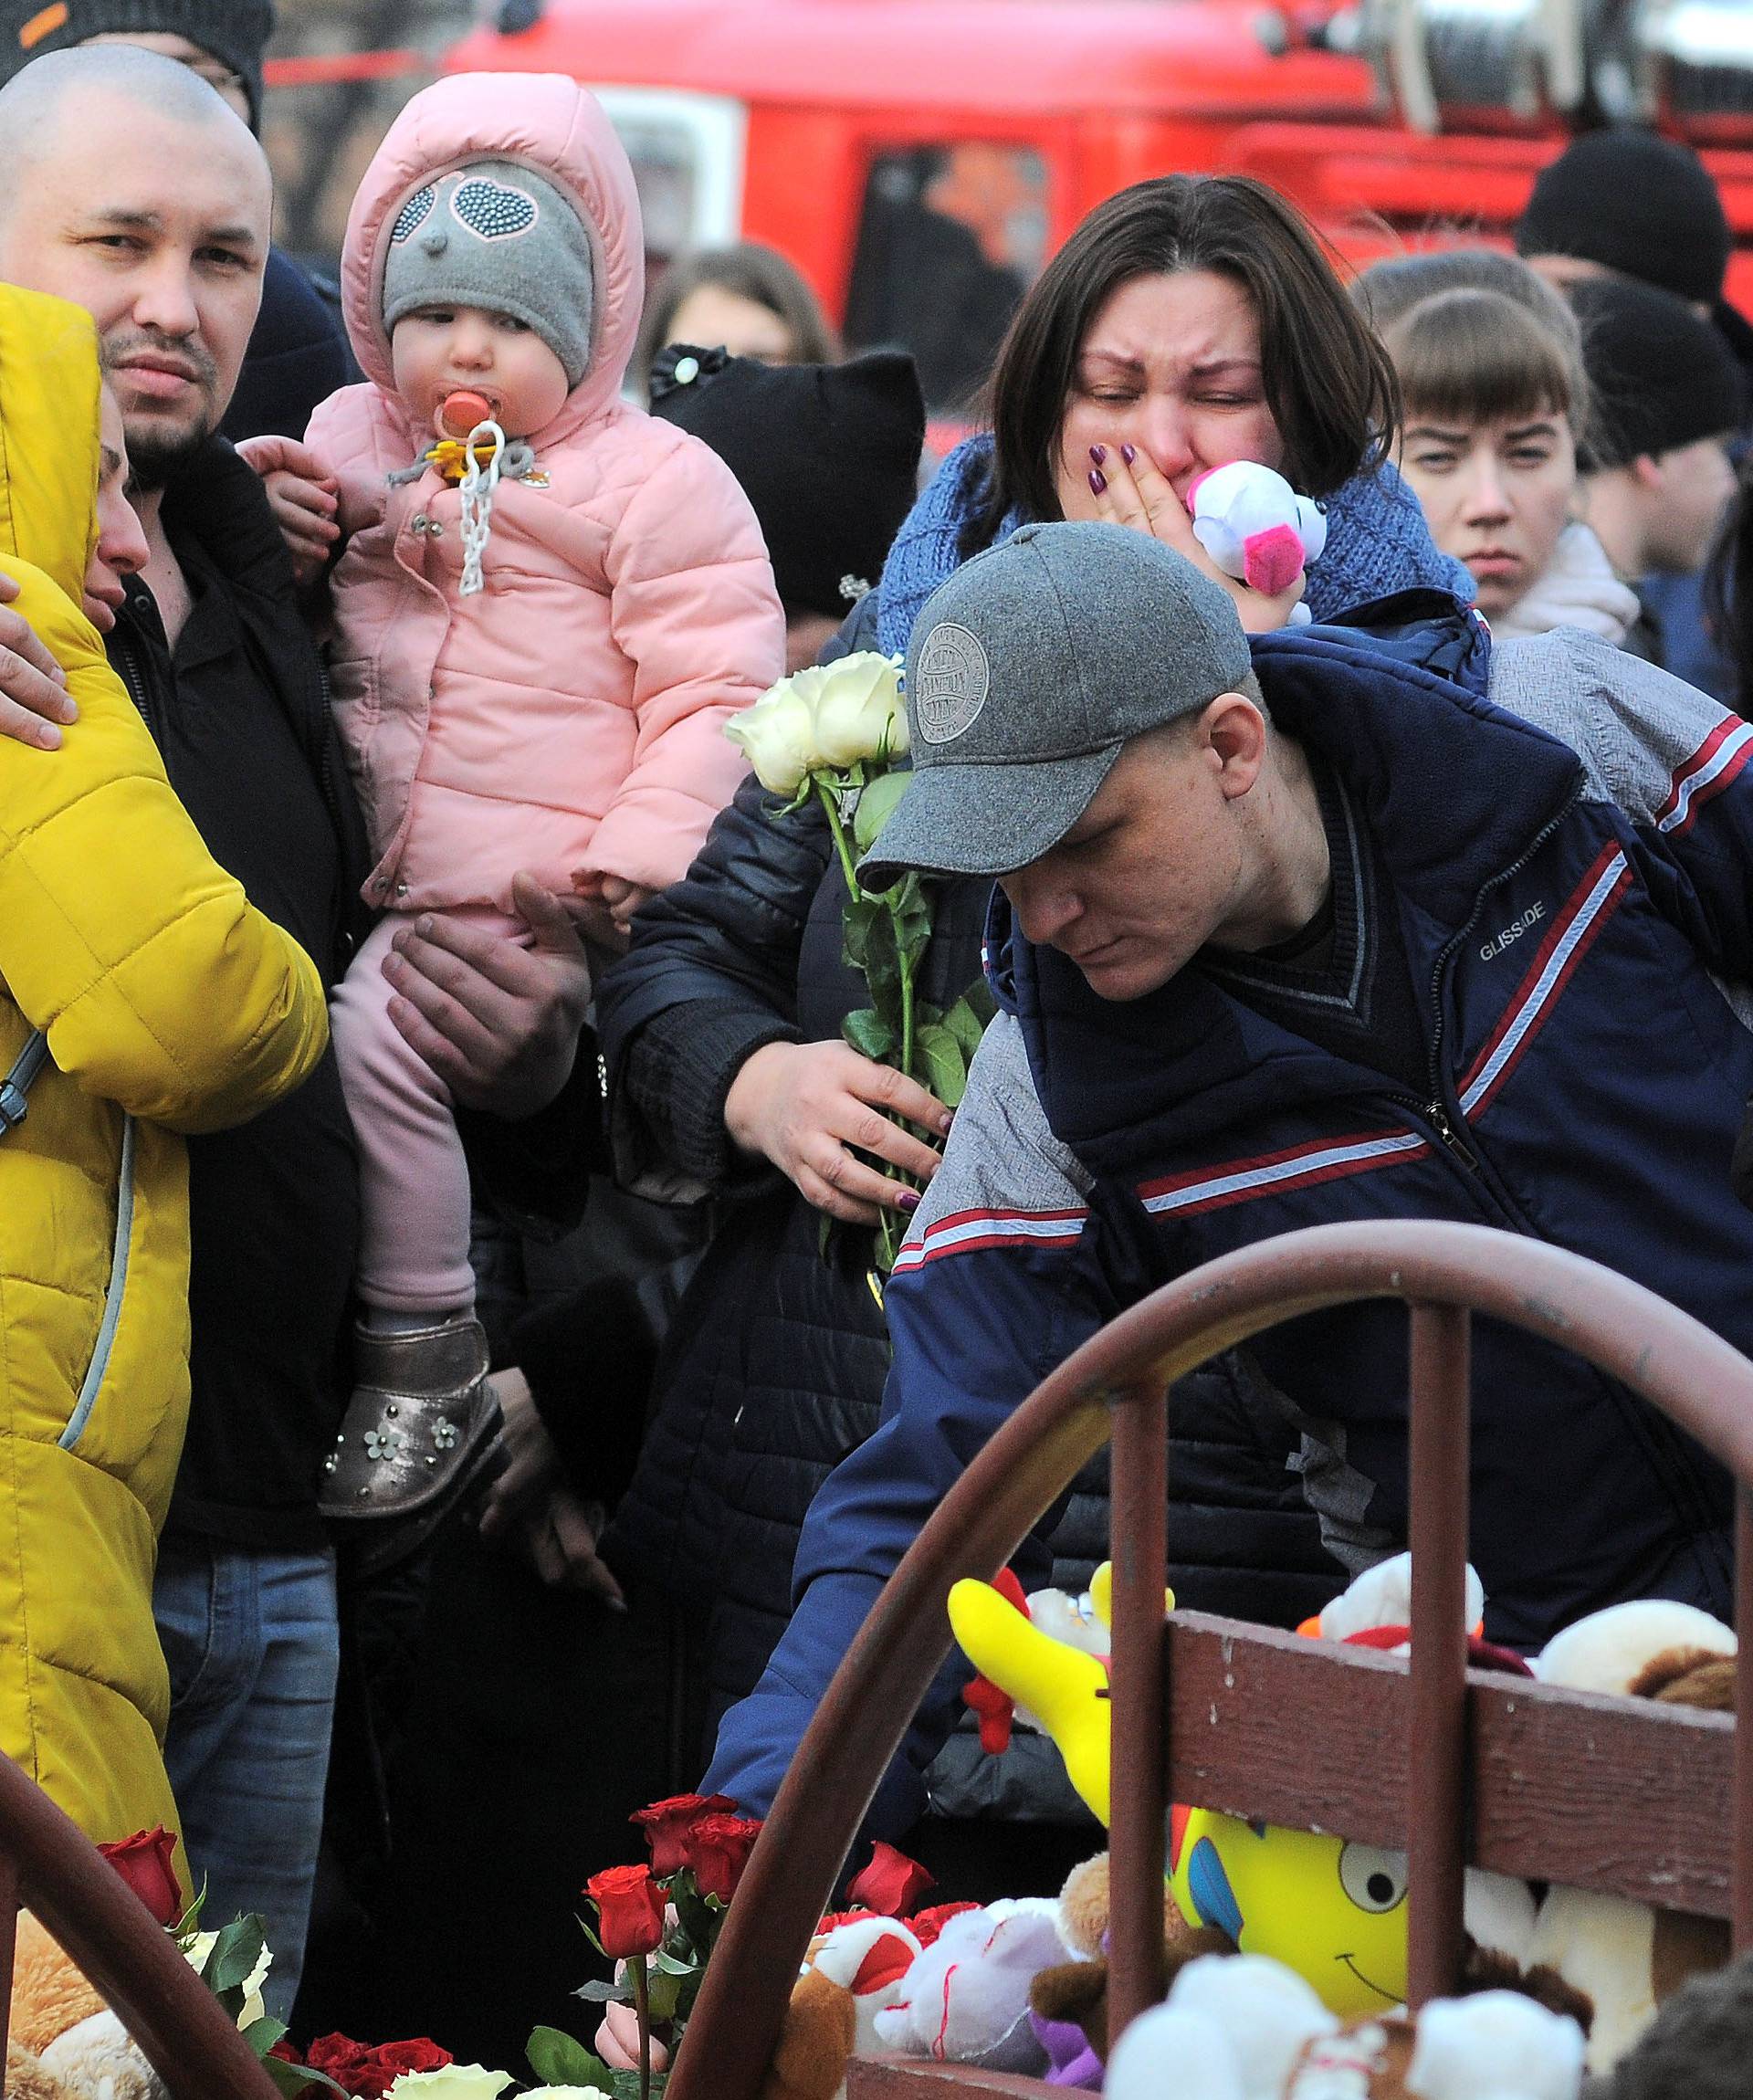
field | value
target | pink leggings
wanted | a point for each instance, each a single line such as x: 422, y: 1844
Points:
x: 412, y: 1177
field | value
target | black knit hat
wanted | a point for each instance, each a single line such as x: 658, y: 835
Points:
x: 1635, y: 203
x: 235, y: 32
x: 828, y: 455
x: 1659, y: 375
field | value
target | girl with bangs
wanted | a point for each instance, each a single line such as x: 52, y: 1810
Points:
x: 1495, y: 401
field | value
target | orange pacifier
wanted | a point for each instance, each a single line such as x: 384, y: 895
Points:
x: 462, y: 411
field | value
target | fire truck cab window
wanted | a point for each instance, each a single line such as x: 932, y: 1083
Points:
x: 950, y: 239
x: 663, y: 171
x: 688, y: 152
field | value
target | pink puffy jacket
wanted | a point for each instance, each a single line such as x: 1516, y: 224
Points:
x: 570, y: 717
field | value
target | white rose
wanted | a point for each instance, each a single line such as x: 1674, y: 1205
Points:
x: 831, y: 716
x: 563, y: 2093
x: 779, y: 735
x: 858, y: 710
x: 452, y: 2082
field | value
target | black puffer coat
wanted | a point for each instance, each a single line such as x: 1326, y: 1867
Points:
x: 774, y: 1368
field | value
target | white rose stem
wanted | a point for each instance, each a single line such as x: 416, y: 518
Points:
x: 829, y: 786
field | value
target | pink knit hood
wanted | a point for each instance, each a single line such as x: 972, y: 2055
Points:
x: 550, y: 124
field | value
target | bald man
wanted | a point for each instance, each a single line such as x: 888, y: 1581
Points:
x: 135, y: 190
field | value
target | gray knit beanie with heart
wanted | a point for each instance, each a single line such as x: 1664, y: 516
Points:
x: 496, y: 235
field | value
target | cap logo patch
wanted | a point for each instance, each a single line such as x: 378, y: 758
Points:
x: 493, y: 210
x: 952, y: 683
x: 412, y: 215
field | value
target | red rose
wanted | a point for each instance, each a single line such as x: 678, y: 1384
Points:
x: 339, y: 2058
x: 144, y: 1862
x: 368, y: 2074
x: 631, y: 1906
x: 286, y: 2054
x: 666, y: 1823
x: 892, y: 1883
x: 717, y: 1851
x: 926, y: 1925
x: 385, y: 2064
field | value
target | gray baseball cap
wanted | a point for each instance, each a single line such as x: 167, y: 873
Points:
x: 1028, y: 671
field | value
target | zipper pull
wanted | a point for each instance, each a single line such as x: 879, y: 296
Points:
x: 1451, y: 1137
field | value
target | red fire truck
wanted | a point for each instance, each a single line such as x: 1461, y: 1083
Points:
x: 919, y: 159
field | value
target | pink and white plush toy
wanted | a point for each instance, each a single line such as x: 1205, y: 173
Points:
x: 966, y: 1999
x: 1255, y: 527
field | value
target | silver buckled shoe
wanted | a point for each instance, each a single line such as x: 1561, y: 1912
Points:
x: 421, y: 1429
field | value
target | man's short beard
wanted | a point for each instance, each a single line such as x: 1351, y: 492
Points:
x: 155, y: 458
x: 155, y: 462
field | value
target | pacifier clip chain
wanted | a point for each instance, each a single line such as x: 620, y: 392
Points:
x: 476, y: 489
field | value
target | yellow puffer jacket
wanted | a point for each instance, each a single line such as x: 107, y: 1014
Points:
x: 166, y: 997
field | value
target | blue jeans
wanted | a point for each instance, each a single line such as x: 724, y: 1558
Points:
x: 253, y: 1650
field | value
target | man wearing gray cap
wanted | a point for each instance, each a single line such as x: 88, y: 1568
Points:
x: 1286, y: 935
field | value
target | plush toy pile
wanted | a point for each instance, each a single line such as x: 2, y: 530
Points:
x: 1332, y: 1912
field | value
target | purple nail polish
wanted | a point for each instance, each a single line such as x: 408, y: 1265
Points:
x: 908, y: 1199
x: 1098, y: 481
x: 1127, y: 454
x: 1099, y: 452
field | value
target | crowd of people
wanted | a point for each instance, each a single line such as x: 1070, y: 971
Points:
x: 437, y: 1190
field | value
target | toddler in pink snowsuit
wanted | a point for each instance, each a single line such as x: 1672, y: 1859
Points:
x: 566, y: 715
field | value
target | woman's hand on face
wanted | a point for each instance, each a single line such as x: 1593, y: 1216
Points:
x: 1129, y: 490
x: 812, y: 1108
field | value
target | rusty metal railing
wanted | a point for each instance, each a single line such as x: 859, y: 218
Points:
x: 1117, y: 1384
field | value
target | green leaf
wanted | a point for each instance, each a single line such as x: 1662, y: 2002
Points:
x: 295, y: 2078
x: 263, y: 2033
x: 882, y: 967
x: 624, y: 2085
x: 597, y: 1992
x: 966, y: 1027
x: 914, y: 914
x: 869, y: 1035
x: 860, y: 915
x: 700, y: 1919
x: 939, y: 1060
x: 662, y: 1993
x: 876, y: 806
x: 234, y: 1955
x: 668, y: 1964
x: 979, y: 995
x: 557, y: 2060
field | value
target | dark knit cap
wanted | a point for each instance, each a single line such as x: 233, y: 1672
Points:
x: 828, y: 455
x: 1635, y: 203
x: 235, y: 32
x: 1659, y: 375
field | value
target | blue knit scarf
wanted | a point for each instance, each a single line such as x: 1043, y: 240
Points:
x: 1376, y: 543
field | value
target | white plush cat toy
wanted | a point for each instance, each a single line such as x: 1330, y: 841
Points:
x: 1255, y: 527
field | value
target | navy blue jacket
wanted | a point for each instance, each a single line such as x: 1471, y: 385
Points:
x: 1562, y: 906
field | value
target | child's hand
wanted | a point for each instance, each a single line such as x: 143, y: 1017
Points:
x: 303, y: 498
x: 602, y: 906
x: 623, y: 898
